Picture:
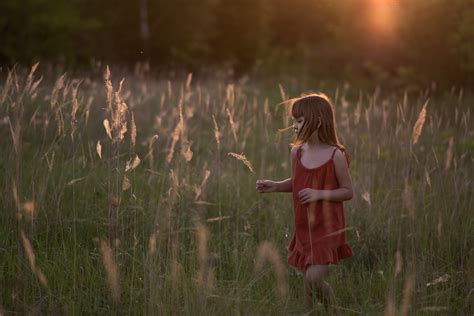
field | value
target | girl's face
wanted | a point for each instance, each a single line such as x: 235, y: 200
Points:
x: 298, y: 124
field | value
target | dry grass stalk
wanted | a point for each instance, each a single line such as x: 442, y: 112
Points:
x: 173, y: 191
x: 170, y: 90
x: 439, y: 227
x: 15, y: 132
x: 367, y: 118
x: 152, y: 241
x: 174, y: 139
x: 366, y: 197
x: 408, y: 288
x: 217, y: 219
x: 266, y: 110
x: 54, y: 94
x: 189, y: 80
x: 267, y: 252
x: 448, y: 160
x: 112, y: 220
x: 186, y: 151
x: 29, y: 79
x: 75, y: 181
x: 176, y: 267
x: 34, y: 88
x: 133, y: 131
x: 87, y: 110
x: 244, y: 159
x: 108, y: 88
x: 8, y: 85
x: 75, y: 106
x: 442, y: 279
x: 108, y: 130
x: 117, y: 127
x: 434, y: 309
x: 32, y: 259
x: 50, y: 162
x: 234, y: 126
x: 98, y: 148
x: 200, y: 202
x: 217, y: 133
x: 16, y: 199
x: 419, y: 124
x: 398, y: 263
x: 409, y: 199
x: 111, y: 268
x: 357, y: 112
x: 119, y: 121
x: 132, y: 164
x: 230, y: 95
x: 126, y: 184
x: 390, y: 308
x: 405, y: 100
x: 385, y: 112
x: 282, y: 93
x: 149, y: 154
x: 334, y: 233
x: 202, y: 236
x: 199, y: 190
x: 427, y: 177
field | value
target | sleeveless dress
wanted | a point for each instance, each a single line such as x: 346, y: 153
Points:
x: 319, y: 236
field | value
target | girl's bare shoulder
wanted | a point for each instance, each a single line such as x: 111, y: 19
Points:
x: 294, y: 150
x: 339, y: 158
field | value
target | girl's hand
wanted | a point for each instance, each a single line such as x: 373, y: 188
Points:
x: 266, y: 186
x: 309, y: 195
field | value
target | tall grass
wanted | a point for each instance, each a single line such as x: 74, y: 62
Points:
x: 138, y: 196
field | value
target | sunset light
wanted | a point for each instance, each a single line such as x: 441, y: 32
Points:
x: 382, y: 17
x: 250, y: 157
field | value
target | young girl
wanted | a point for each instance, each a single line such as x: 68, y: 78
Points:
x: 320, y: 182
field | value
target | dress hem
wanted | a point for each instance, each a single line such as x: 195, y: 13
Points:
x: 323, y: 255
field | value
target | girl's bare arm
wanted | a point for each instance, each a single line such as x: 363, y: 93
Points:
x: 344, y: 192
x: 267, y: 186
x: 284, y: 185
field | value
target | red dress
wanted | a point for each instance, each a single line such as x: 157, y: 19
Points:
x: 319, y: 236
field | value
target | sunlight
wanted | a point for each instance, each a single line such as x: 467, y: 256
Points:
x: 382, y: 16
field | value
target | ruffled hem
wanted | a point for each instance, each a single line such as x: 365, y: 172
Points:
x: 323, y: 255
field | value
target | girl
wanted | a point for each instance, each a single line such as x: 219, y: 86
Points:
x: 320, y: 182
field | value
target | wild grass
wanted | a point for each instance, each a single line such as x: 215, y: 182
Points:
x: 127, y: 196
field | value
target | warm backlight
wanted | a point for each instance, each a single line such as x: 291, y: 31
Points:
x: 382, y: 16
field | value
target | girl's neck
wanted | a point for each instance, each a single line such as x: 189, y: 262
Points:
x: 314, y: 141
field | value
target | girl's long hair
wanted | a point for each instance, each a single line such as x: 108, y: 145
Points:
x: 316, y: 108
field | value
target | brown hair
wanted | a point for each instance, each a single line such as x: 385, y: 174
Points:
x: 317, y: 110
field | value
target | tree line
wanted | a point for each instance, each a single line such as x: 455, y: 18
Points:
x: 429, y: 39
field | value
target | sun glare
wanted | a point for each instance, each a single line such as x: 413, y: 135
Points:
x: 382, y: 16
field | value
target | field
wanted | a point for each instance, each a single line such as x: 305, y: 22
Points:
x: 139, y: 198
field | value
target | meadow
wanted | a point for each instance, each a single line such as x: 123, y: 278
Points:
x: 138, y: 196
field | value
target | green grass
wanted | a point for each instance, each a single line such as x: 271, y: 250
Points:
x: 434, y: 238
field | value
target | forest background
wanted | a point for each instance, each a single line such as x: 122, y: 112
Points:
x: 400, y: 41
x: 132, y: 134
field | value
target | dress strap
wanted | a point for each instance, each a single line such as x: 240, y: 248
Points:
x: 332, y: 156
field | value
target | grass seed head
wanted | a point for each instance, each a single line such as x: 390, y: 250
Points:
x: 267, y: 252
x: 419, y: 124
x: 244, y: 159
x: 111, y: 268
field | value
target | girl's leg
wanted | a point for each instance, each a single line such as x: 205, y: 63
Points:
x: 314, y: 278
x: 308, y: 295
